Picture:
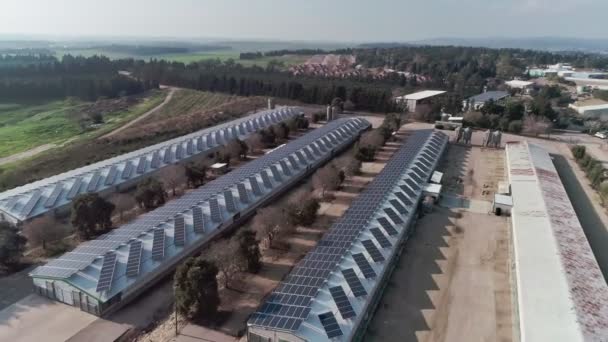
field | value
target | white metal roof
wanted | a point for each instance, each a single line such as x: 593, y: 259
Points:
x: 297, y: 304
x: 239, y: 191
x: 39, y: 197
x: 519, y: 83
x: 424, y: 94
x: 562, y: 293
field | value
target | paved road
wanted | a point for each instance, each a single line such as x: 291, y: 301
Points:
x: 143, y: 116
x: 15, y: 287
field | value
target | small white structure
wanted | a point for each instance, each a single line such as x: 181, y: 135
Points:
x: 437, y: 177
x: 219, y: 168
x: 502, y: 204
x: 433, y: 190
x: 411, y: 101
x: 524, y: 86
x: 504, y: 188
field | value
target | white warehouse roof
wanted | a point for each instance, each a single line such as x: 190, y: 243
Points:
x: 37, y: 198
x: 519, y: 84
x: 134, y: 253
x: 330, y: 293
x: 561, y: 291
x: 421, y: 95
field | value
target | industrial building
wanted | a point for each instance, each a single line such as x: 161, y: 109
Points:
x: 55, y: 194
x: 524, y: 86
x: 591, y: 109
x: 478, y: 101
x: 101, y: 275
x: 561, y: 292
x: 331, y: 294
x: 412, y: 101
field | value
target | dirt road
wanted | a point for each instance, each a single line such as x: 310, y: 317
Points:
x: 143, y: 116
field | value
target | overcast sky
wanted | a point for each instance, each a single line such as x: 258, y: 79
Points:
x: 330, y: 20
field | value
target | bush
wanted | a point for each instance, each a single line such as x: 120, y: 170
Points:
x: 578, y: 151
x: 515, y: 126
x: 196, y: 289
x: 365, y: 153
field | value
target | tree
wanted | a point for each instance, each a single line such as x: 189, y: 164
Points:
x: 43, y: 229
x: 281, y: 131
x: 237, y: 148
x: 365, y: 153
x: 173, y: 176
x: 303, y: 212
x: 150, y: 194
x: 196, y: 290
x: 578, y: 151
x: 268, y: 221
x: 12, y: 245
x: 250, y: 250
x: 536, y: 125
x: 225, y: 255
x: 515, y: 126
x: 596, y: 174
x: 91, y: 213
x: 196, y: 174
x: 255, y: 143
x: 123, y: 202
x: 326, y: 178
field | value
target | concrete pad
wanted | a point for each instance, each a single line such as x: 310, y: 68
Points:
x: 35, y: 318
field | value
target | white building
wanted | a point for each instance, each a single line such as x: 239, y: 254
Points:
x: 411, y: 101
x: 524, y: 86
x: 478, y: 101
x: 594, y: 108
x: 561, y: 293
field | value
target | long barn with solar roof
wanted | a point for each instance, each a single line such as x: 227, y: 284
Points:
x: 54, y: 195
x: 331, y: 294
x: 101, y: 275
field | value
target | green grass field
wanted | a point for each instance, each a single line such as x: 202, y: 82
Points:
x: 187, y: 57
x: 186, y: 101
x: 26, y: 126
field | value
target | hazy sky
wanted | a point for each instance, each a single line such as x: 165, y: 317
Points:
x: 332, y: 20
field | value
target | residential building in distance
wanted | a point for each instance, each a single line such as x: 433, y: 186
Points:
x: 478, y: 101
x: 523, y: 86
x: 412, y: 101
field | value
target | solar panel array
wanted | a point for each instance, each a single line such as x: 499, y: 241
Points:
x: 107, y: 272
x: 201, y: 204
x: 332, y: 329
x: 376, y: 205
x: 112, y: 172
x: 134, y: 261
x: 344, y: 306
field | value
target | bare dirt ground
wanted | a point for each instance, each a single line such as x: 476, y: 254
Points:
x: 452, y: 282
x: 143, y: 116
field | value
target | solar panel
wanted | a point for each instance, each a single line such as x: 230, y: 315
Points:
x: 373, y: 250
x: 189, y: 148
x: 141, y: 165
x: 309, y: 154
x: 155, y: 163
x: 354, y: 283
x: 158, y: 244
x: 275, y: 173
x: 412, y: 184
x: 266, y: 179
x: 255, y: 186
x: 50, y: 202
x: 216, y: 214
x: 242, y: 192
x: 31, y: 203
x: 332, y: 329
x: 111, y: 177
x: 107, y: 272
x: 393, y: 216
x: 75, y: 188
x: 242, y: 130
x: 200, y: 144
x: 94, y: 182
x: 198, y: 220
x: 382, y: 240
x: 388, y: 227
x: 229, y: 199
x: 134, y: 259
x: 168, y: 156
x: 285, y: 168
x: 401, y: 209
x: 364, y: 266
x: 346, y: 310
x: 128, y: 170
x: 179, y: 228
x: 404, y: 199
x: 408, y: 191
x: 293, y: 162
x: 301, y: 157
x: 179, y: 151
x: 315, y: 149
